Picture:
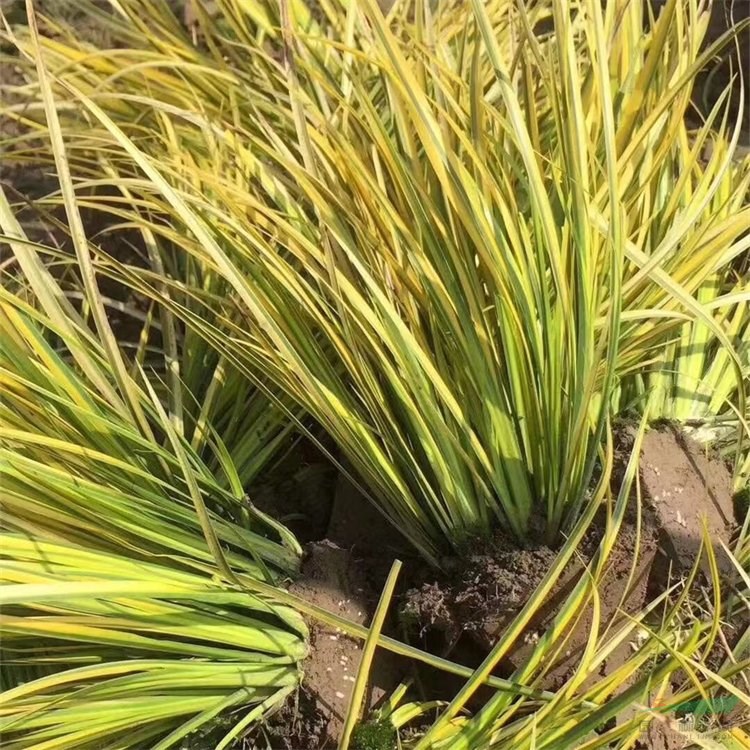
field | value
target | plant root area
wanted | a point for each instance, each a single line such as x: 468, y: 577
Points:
x: 462, y: 611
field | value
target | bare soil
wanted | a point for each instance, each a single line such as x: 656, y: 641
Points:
x: 342, y: 572
x: 298, y: 725
x: 687, y: 488
x: 331, y: 581
x: 461, y: 613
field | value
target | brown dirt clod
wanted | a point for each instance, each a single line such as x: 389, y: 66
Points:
x: 687, y: 488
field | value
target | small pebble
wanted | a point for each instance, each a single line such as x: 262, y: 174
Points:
x: 339, y: 694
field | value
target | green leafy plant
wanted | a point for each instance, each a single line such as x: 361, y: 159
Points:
x: 664, y: 645
x: 126, y: 559
x: 444, y: 247
x: 377, y: 735
x: 453, y: 239
x: 691, y: 380
x: 114, y: 608
x: 116, y: 612
x: 660, y: 654
x: 132, y: 653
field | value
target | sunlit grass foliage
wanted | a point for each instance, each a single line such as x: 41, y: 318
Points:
x: 457, y: 240
x: 442, y: 235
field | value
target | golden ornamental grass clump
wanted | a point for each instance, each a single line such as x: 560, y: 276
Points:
x: 457, y: 241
